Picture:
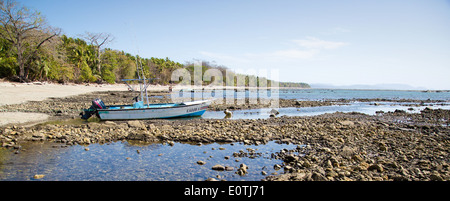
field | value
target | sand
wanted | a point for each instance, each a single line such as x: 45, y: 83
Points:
x: 21, y: 117
x: 17, y: 93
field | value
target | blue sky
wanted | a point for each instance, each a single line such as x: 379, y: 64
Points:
x: 335, y: 42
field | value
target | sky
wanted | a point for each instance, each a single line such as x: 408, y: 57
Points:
x: 325, y: 41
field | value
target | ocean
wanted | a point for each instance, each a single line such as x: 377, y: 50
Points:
x: 321, y: 94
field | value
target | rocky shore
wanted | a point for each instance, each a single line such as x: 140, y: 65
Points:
x: 394, y: 146
x: 339, y: 146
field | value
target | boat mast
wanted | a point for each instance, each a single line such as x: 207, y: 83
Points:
x: 145, y: 83
x: 138, y: 68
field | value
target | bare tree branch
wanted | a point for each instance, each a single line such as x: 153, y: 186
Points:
x: 26, y: 30
x: 98, y: 40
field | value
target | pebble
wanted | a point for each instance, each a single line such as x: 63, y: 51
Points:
x: 338, y: 146
x: 38, y: 176
x: 218, y: 167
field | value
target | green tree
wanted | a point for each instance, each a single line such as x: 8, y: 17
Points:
x: 26, y: 30
x: 7, y: 59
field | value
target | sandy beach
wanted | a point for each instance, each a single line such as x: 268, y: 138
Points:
x: 18, y: 93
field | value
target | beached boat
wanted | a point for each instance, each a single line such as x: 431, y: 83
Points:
x: 139, y: 110
x: 151, y: 111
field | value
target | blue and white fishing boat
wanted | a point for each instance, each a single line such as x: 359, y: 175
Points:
x: 139, y: 110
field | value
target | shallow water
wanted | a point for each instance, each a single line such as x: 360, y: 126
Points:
x: 121, y: 161
x: 320, y: 94
x: 362, y: 107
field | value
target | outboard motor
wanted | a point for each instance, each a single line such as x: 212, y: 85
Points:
x: 96, y: 104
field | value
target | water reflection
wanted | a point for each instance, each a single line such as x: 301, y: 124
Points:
x: 362, y: 107
x: 134, y: 160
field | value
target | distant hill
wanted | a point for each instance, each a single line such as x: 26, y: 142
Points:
x: 294, y: 85
x: 362, y: 86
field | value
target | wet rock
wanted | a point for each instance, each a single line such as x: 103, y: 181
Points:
x: 218, y: 167
x: 229, y: 168
x: 242, y: 170
x: 38, y: 176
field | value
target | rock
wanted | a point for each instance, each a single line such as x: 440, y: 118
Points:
x: 86, y: 140
x: 166, y: 128
x: 347, y: 123
x: 38, y: 136
x: 211, y: 179
x: 218, y: 167
x: 290, y: 158
x: 242, y: 170
x: 110, y: 123
x: 228, y: 114
x: 95, y: 126
x: 288, y: 168
x: 136, y: 124
x: 318, y: 177
x: 273, y: 113
x: 243, y: 166
x: 435, y: 176
x: 38, y: 176
x: 347, y: 151
x: 201, y: 162
x: 276, y: 167
x: 377, y: 167
x: 229, y: 168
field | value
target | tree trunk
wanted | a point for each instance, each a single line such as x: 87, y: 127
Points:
x: 20, y: 60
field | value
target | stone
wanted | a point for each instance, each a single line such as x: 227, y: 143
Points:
x: 277, y: 167
x: 166, y: 128
x: 357, y: 158
x: 201, y: 162
x: 218, y: 167
x: 318, y: 177
x: 229, y: 168
x: 347, y: 151
x: 347, y: 123
x: 136, y: 124
x: 435, y: 176
x: 377, y: 167
x: 38, y: 176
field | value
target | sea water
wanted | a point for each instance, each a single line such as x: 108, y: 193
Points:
x: 321, y: 94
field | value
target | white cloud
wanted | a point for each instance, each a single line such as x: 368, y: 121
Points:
x: 305, y: 49
x: 222, y: 57
x: 315, y: 43
x: 295, y: 54
x: 335, y: 31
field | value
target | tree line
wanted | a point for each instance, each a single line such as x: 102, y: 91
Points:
x: 30, y: 49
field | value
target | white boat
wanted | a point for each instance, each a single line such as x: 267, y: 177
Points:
x: 139, y: 110
x: 153, y: 111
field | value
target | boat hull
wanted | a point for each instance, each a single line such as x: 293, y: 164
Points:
x: 188, y: 109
